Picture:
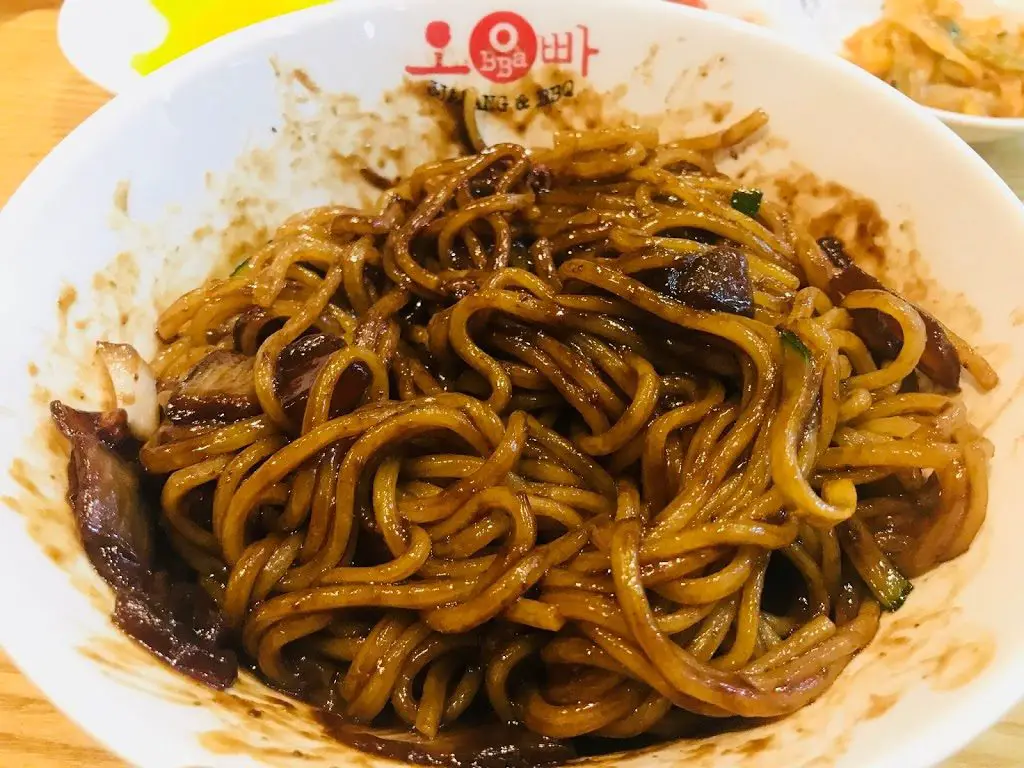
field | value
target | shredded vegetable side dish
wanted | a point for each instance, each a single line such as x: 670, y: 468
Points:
x: 942, y: 58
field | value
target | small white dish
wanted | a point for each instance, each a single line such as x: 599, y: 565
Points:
x: 825, y: 25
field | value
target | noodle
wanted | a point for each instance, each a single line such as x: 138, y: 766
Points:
x: 570, y: 438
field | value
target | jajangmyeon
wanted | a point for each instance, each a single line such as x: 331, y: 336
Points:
x: 590, y: 441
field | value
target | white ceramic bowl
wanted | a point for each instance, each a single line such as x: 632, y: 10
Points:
x: 981, y: 130
x: 229, y: 139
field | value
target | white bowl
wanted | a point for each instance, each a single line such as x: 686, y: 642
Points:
x: 975, y: 129
x: 825, y: 25
x: 219, y: 140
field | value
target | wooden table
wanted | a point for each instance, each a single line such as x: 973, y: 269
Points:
x: 42, y: 99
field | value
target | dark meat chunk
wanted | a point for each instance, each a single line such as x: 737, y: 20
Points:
x: 297, y: 369
x: 253, y: 327
x: 180, y: 624
x: 417, y: 311
x: 539, y: 179
x: 519, y: 254
x: 910, y: 384
x: 882, y: 334
x: 103, y: 490
x: 220, y: 389
x: 487, y: 745
x: 481, y: 188
x: 717, y: 279
x: 177, y: 622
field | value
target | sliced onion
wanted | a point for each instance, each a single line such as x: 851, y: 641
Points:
x: 134, y: 387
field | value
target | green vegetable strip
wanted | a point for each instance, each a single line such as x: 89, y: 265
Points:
x: 792, y: 340
x: 886, y: 583
x: 747, y: 201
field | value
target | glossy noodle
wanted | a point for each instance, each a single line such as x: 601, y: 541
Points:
x: 589, y: 439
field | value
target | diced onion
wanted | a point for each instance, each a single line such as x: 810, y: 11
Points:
x: 134, y: 387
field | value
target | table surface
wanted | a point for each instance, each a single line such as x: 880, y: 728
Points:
x: 41, y: 100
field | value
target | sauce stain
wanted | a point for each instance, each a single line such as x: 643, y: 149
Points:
x: 644, y: 71
x: 718, y: 111
x: 961, y: 664
x: 880, y: 704
x: 302, y: 77
x: 754, y: 747
x: 827, y: 208
x: 227, y: 743
x: 68, y: 296
x: 992, y: 416
x: 121, y: 197
x: 22, y: 476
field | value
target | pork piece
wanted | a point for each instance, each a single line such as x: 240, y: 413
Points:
x: 297, y: 369
x: 717, y: 279
x: 882, y: 334
x: 114, y: 522
x: 253, y: 327
x: 220, y: 389
x: 178, y: 622
x: 483, y: 745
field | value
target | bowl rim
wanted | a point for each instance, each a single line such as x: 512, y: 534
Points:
x: 976, y: 121
x: 938, y: 737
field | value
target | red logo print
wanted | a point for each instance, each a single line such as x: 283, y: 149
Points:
x: 438, y: 35
x: 503, y: 47
x: 558, y: 48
